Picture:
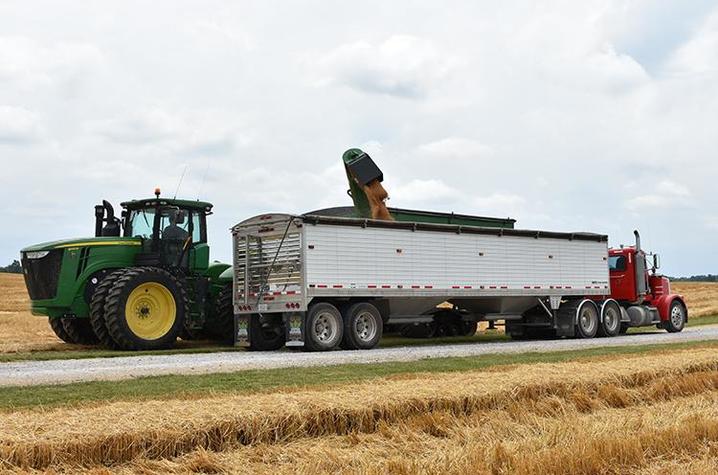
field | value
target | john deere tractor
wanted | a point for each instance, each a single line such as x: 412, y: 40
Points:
x: 143, y: 281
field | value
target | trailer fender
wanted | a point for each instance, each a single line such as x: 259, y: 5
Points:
x: 663, y: 304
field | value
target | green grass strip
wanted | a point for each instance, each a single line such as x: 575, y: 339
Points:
x: 243, y: 382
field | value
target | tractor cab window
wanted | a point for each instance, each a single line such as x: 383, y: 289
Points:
x: 141, y: 222
x: 174, y: 225
x: 197, y: 227
x: 617, y: 263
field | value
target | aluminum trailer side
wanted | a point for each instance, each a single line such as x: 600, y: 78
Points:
x: 286, y: 265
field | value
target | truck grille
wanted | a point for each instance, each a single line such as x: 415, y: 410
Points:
x: 42, y: 275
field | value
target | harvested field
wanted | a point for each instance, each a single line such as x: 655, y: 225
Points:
x: 701, y: 297
x: 598, y: 416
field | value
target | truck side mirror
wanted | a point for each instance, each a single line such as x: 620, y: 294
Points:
x: 656, y: 261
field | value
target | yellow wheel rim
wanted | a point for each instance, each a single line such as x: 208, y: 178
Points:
x: 150, y: 311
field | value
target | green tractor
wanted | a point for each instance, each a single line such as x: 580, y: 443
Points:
x: 143, y: 281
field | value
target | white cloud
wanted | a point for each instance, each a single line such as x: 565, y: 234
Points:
x: 456, y: 148
x: 18, y: 126
x: 402, y: 66
x: 667, y: 194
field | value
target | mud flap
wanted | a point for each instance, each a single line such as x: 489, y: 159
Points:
x: 241, y: 330
x: 294, y: 323
x: 565, y: 324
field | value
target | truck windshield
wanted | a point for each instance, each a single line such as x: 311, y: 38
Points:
x: 141, y: 223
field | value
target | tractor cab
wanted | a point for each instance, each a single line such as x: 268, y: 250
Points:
x: 173, y: 232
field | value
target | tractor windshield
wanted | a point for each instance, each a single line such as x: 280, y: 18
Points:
x: 140, y: 223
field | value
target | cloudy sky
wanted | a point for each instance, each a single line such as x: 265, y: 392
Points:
x: 580, y: 116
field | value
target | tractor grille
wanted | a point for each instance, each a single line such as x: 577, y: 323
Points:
x: 42, y: 275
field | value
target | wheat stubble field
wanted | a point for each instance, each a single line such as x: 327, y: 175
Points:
x: 650, y: 413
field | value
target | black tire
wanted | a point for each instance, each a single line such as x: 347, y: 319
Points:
x: 80, y: 331
x: 117, y: 300
x: 587, y: 321
x: 419, y: 330
x: 221, y: 326
x: 677, y: 317
x: 363, y: 326
x: 59, y: 329
x: 324, y: 328
x: 97, y: 310
x: 468, y: 328
x: 266, y: 332
x: 610, y: 324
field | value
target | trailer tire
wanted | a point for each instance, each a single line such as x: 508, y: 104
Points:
x: 362, y: 327
x: 611, y: 319
x: 587, y: 320
x: 325, y: 329
x: 145, y: 309
x: 59, y: 329
x: 265, y: 336
x: 97, y: 310
x: 80, y: 331
x: 676, y: 317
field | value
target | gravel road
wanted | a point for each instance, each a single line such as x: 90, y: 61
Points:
x: 126, y: 367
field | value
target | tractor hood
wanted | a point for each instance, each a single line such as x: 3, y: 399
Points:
x: 84, y: 242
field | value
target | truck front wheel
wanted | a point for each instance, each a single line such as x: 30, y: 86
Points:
x: 325, y: 329
x: 676, y: 317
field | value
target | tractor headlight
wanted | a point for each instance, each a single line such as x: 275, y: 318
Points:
x: 36, y: 254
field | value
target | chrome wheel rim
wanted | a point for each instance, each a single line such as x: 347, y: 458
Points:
x: 610, y: 319
x: 587, y: 320
x: 365, y: 326
x: 325, y: 327
x: 677, y: 316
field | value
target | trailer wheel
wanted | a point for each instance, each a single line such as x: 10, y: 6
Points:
x: 267, y: 333
x: 79, y: 330
x: 325, y: 329
x: 362, y: 327
x: 676, y: 317
x: 97, y: 310
x: 611, y: 323
x: 145, y: 309
x: 587, y: 320
x: 59, y: 329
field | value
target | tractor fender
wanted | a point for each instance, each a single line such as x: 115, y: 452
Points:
x: 663, y: 304
x: 217, y: 270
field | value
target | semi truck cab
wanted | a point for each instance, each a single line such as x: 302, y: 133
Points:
x: 643, y: 293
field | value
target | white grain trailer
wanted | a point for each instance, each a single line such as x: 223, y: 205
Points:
x: 324, y: 282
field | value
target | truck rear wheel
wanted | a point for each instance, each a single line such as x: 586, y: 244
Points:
x: 362, y: 327
x: 145, y: 309
x: 79, y: 330
x: 97, y: 310
x: 611, y: 322
x: 676, y: 317
x: 587, y: 320
x: 325, y: 328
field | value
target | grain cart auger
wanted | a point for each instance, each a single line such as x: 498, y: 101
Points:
x: 143, y: 280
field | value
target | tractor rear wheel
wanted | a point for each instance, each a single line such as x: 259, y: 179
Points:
x: 266, y: 332
x: 59, y: 329
x: 145, y: 309
x: 221, y: 327
x: 97, y: 310
x: 79, y: 330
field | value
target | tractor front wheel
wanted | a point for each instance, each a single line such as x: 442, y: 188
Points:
x: 97, y: 310
x: 145, y: 309
x: 59, y: 329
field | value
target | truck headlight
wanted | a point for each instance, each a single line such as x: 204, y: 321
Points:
x: 36, y: 254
